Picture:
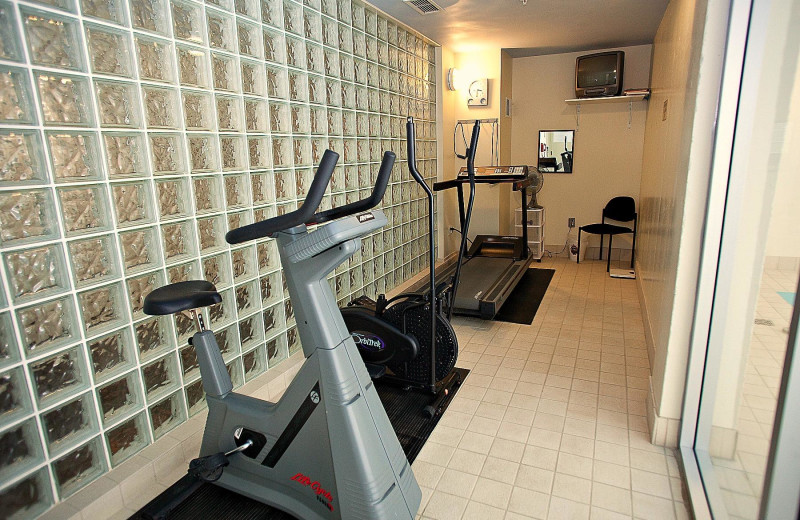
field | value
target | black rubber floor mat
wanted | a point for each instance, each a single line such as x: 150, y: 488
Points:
x: 405, y: 410
x: 211, y: 501
x: 406, y: 413
x: 523, y: 302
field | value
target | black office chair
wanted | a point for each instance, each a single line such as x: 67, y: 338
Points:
x: 619, y: 209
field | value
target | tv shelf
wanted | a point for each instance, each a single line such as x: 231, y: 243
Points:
x: 610, y: 99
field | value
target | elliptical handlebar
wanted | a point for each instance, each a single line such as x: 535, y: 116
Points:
x: 370, y: 202
x: 301, y: 215
x: 411, y: 144
x: 411, y: 140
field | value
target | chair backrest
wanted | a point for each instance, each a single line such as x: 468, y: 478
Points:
x: 621, y: 209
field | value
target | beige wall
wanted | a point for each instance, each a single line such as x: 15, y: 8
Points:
x: 607, y: 154
x: 674, y: 183
x: 486, y: 216
x: 446, y: 200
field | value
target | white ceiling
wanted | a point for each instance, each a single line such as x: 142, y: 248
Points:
x: 540, y: 27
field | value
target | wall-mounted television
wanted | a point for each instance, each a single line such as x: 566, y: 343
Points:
x: 599, y: 74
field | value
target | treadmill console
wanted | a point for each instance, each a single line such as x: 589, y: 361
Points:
x: 503, y: 172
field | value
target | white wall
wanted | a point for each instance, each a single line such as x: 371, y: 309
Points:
x: 675, y: 169
x: 759, y: 190
x: 783, y: 238
x: 607, y: 154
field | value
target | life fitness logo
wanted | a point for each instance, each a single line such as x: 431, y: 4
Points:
x: 367, y: 341
x: 324, y: 496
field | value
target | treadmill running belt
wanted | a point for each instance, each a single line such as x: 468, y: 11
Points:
x: 405, y: 411
x: 477, y: 276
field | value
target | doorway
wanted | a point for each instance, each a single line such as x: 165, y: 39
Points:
x: 740, y: 418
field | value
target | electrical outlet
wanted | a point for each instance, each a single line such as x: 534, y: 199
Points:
x: 571, y: 222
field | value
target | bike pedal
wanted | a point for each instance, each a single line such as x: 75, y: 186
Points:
x: 208, y: 468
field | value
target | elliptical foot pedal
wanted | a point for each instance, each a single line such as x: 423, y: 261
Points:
x: 445, y: 386
x: 375, y: 371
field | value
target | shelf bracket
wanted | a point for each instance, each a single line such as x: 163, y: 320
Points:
x: 630, y: 113
x: 577, y: 117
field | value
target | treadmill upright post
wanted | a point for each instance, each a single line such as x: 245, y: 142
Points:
x: 524, y: 192
x: 473, y: 148
x: 461, y: 218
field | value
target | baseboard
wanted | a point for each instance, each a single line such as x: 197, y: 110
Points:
x: 422, y: 275
x: 664, y: 431
x: 722, y: 443
x: 617, y: 254
x: 648, y: 329
x: 592, y: 253
x: 782, y: 263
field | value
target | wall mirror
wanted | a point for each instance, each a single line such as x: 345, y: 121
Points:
x: 555, y: 151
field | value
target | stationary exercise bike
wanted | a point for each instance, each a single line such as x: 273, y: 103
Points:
x: 326, y: 449
x: 408, y: 339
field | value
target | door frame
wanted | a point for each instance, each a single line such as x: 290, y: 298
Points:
x: 741, y: 100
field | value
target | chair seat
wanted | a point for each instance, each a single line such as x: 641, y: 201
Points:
x: 181, y: 296
x: 605, y: 229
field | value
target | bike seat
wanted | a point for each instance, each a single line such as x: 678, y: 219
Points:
x: 181, y: 296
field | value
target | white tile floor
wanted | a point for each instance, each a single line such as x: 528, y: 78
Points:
x: 551, y: 423
x: 741, y: 479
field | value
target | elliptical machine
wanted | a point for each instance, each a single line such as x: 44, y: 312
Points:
x: 326, y: 449
x: 408, y: 339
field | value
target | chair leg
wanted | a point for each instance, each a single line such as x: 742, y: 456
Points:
x: 608, y: 265
x: 601, y: 247
x: 633, y: 247
x: 578, y: 258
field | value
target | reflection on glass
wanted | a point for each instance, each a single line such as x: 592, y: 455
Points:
x: 555, y: 150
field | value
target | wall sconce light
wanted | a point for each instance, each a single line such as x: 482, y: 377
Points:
x: 453, y: 77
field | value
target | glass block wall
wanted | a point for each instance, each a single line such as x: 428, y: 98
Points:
x: 133, y: 135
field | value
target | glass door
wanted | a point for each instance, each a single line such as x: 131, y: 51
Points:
x: 739, y: 413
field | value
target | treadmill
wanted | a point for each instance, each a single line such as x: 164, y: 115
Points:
x: 494, y: 265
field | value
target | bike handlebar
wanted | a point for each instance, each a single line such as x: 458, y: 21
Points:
x: 305, y: 213
x: 301, y: 215
x: 364, y: 204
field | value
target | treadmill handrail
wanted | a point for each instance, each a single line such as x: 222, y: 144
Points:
x: 519, y: 184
